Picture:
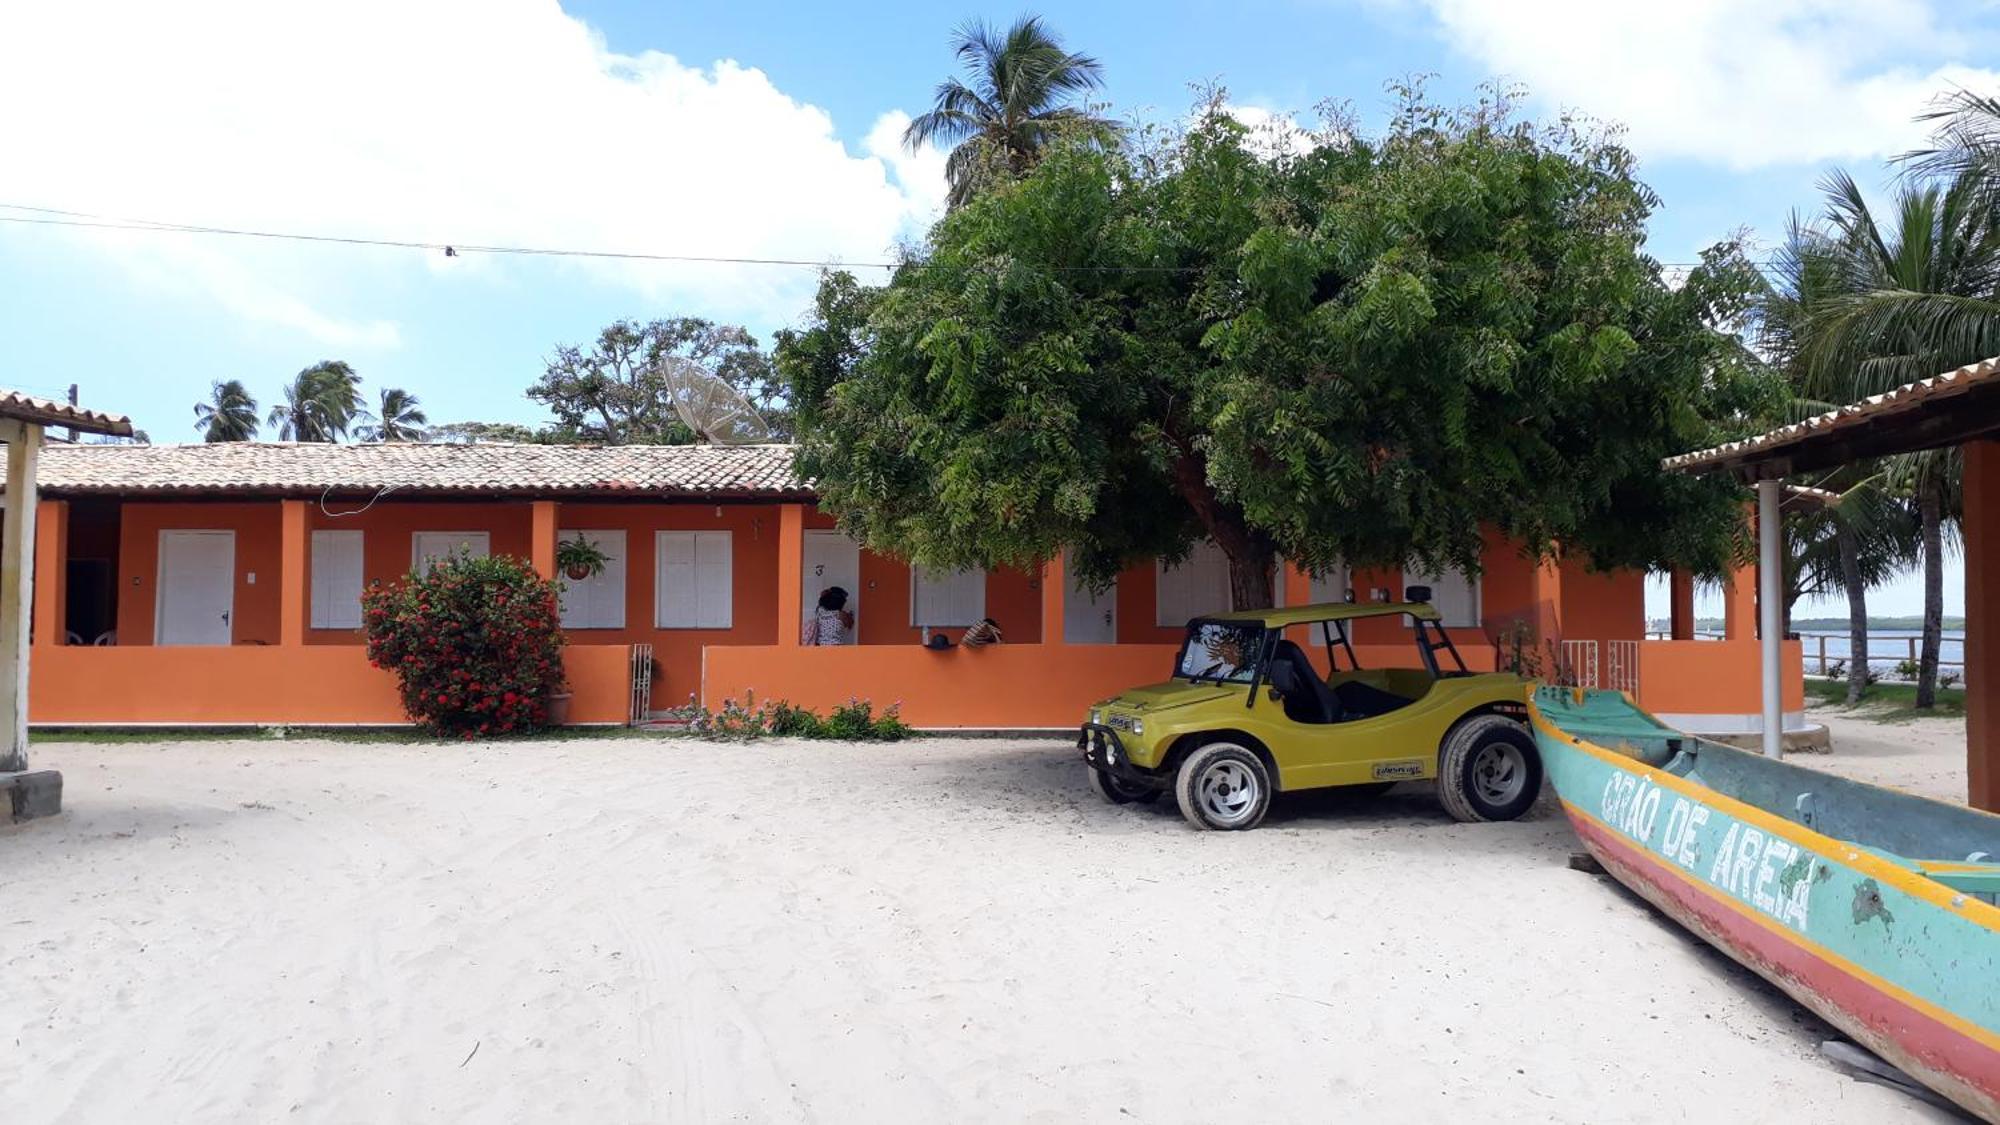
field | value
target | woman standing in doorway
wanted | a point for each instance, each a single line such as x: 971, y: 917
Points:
x: 831, y: 621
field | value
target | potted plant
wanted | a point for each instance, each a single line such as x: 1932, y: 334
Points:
x: 579, y: 558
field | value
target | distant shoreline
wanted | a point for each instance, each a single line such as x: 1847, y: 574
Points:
x: 1952, y: 624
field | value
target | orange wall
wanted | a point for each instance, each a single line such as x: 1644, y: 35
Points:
x: 254, y: 621
x: 387, y: 530
x: 1714, y: 677
x: 323, y: 684
x: 1602, y: 607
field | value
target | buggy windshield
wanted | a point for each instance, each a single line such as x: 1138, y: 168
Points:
x: 1223, y: 651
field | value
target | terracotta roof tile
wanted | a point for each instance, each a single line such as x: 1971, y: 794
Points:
x: 47, y: 412
x: 285, y: 468
x: 1909, y: 396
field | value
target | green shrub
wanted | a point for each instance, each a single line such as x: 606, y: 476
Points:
x: 854, y: 722
x: 476, y: 644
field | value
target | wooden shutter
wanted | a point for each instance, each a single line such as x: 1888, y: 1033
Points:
x: 596, y: 602
x: 336, y: 579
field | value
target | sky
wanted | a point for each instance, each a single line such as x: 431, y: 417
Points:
x: 756, y: 129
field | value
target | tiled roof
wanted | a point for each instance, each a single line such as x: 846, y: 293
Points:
x: 1908, y: 397
x: 310, y: 469
x: 45, y: 412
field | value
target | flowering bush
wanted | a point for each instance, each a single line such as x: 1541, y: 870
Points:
x: 475, y: 643
x: 855, y: 722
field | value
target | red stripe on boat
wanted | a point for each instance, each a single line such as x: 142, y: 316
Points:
x: 1908, y: 1036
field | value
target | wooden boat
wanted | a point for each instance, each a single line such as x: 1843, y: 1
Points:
x: 1872, y: 907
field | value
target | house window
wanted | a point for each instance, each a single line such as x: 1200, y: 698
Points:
x: 1198, y: 585
x: 596, y: 602
x: 693, y: 587
x: 941, y: 598
x: 1454, y: 594
x: 427, y: 547
x: 336, y: 579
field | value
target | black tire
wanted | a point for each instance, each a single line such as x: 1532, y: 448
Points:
x: 1117, y: 791
x: 1224, y: 787
x: 1488, y: 769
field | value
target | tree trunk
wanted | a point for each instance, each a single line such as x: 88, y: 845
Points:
x: 1931, y: 507
x: 1857, y: 609
x: 1250, y: 553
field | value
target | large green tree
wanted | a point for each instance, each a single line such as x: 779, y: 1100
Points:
x: 619, y: 389
x: 1358, y: 351
x: 230, y: 414
x: 1018, y: 95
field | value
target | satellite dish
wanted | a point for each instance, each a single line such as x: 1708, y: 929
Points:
x: 713, y: 409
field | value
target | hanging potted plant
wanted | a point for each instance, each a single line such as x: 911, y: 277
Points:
x: 579, y: 558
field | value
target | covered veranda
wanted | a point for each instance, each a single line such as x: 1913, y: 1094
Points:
x: 1958, y: 408
x: 23, y: 422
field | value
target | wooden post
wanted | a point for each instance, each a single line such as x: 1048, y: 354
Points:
x: 17, y: 576
x: 292, y: 563
x: 1981, y: 529
x: 542, y: 538
x: 51, y: 626
x: 1680, y: 620
x: 1055, y: 591
x: 791, y: 577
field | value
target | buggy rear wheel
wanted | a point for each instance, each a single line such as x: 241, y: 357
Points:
x: 1488, y: 769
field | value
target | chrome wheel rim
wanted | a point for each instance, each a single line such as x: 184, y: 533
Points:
x: 1227, y: 792
x: 1500, y: 773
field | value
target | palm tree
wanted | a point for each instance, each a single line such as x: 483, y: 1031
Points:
x: 1913, y: 297
x: 398, y: 420
x: 1017, y: 102
x: 230, y: 414
x: 321, y: 403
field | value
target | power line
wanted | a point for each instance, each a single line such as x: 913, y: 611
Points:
x: 58, y: 217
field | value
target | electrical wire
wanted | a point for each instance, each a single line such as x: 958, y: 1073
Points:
x: 58, y: 217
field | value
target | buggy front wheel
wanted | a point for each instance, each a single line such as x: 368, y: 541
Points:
x: 1118, y: 791
x: 1223, y: 786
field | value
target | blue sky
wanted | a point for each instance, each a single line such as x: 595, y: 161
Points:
x: 754, y: 129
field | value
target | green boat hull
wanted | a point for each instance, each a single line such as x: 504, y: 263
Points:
x: 1872, y: 907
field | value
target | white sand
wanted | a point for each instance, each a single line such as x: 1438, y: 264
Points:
x: 1924, y: 756
x: 936, y: 931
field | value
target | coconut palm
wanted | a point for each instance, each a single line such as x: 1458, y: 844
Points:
x: 321, y: 403
x: 398, y: 419
x: 1020, y: 97
x: 1915, y: 295
x: 230, y: 414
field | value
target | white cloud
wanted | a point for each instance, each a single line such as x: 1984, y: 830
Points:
x: 920, y: 174
x: 470, y: 121
x: 1742, y: 83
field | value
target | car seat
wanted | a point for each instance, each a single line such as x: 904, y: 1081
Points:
x: 1306, y: 697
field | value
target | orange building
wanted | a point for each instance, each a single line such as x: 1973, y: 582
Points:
x: 219, y: 584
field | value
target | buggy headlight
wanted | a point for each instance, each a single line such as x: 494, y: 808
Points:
x: 1096, y: 716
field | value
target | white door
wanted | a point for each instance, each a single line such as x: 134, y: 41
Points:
x: 830, y: 559
x: 1089, y: 619
x: 197, y: 592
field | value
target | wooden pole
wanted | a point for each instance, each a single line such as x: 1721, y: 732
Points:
x: 17, y: 577
x: 1981, y: 530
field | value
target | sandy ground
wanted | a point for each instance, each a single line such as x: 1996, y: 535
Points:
x: 1925, y: 756
x: 934, y: 931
